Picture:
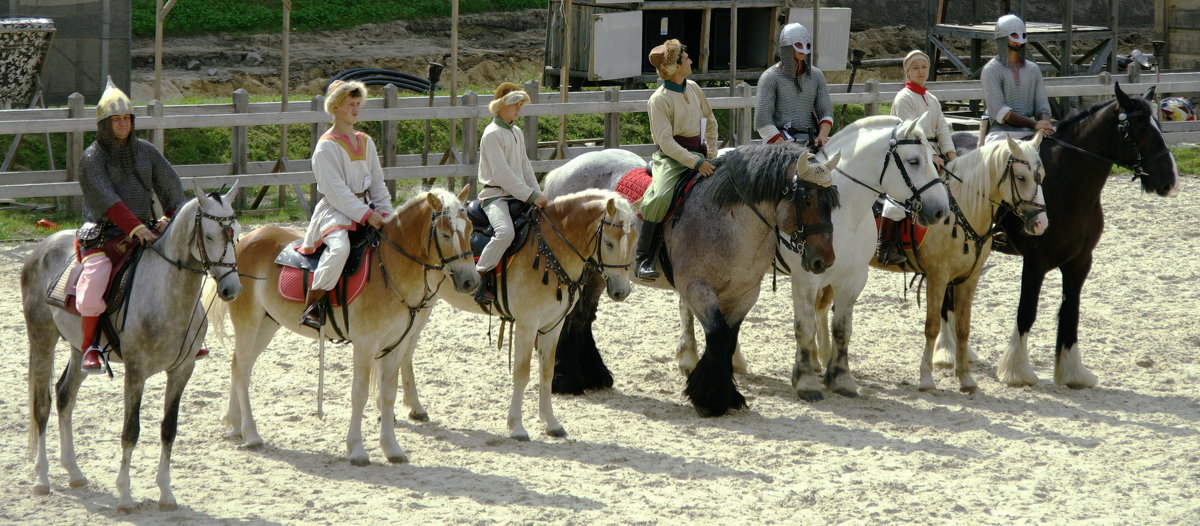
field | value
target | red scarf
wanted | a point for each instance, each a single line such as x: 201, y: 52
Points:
x: 916, y: 88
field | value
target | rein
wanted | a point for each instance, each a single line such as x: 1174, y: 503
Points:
x: 1126, y: 137
x: 913, y: 204
x: 206, y: 263
x: 795, y: 192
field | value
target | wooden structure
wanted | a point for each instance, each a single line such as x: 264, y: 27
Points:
x: 1178, y: 23
x: 981, y: 33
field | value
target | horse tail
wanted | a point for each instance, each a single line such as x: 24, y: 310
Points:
x: 216, y: 309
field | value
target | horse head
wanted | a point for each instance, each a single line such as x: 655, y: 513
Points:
x: 814, y: 197
x: 616, y: 238
x: 450, y: 238
x: 1141, y: 144
x: 1024, y: 173
x: 909, y: 157
x: 214, y: 234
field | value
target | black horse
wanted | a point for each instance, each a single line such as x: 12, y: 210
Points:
x: 1078, y: 159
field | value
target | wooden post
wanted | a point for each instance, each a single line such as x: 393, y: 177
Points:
x: 612, y: 119
x: 745, y: 124
x: 452, y: 149
x: 1112, y: 24
x: 529, y: 123
x: 705, y: 28
x: 564, y: 81
x: 735, y: 114
x: 160, y: 13
x: 156, y: 112
x: 284, y: 77
x: 1064, y: 62
x: 872, y: 108
x: 238, y: 151
x: 391, y: 99
x: 470, y: 142
x: 816, y: 34
x: 74, y: 150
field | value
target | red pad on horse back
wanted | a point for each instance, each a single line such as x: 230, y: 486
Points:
x: 634, y: 184
x: 908, y: 230
x: 291, y: 279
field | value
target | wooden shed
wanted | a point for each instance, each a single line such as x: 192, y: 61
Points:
x: 1178, y: 23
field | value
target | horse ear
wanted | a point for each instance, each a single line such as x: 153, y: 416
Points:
x: 1122, y: 98
x: 200, y: 195
x: 232, y: 193
x: 1016, y: 148
x: 834, y: 161
x: 462, y: 194
x: 913, y: 124
x: 1149, y: 94
x: 1037, y: 141
x: 434, y: 202
x: 610, y: 208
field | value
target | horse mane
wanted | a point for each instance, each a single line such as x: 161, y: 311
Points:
x: 625, y: 213
x: 1075, y: 119
x: 753, y: 173
x: 971, y: 169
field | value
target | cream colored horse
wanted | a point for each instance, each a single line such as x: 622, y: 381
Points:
x: 588, y: 229
x: 424, y: 244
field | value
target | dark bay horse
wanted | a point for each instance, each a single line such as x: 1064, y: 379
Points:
x: 1078, y: 159
x: 721, y: 245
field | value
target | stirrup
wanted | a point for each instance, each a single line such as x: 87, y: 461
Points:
x: 485, y: 293
x: 890, y: 256
x: 96, y: 364
x: 646, y: 271
x: 314, y: 316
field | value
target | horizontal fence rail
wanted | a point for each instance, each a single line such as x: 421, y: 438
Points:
x: 472, y: 109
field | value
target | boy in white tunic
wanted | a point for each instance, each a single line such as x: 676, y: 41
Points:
x: 350, y: 179
x: 505, y: 172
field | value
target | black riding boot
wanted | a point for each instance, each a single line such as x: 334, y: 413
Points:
x: 649, y: 243
x: 315, y: 303
x: 486, y: 293
x: 889, y: 246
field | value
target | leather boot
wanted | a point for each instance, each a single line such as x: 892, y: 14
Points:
x: 92, y: 362
x: 486, y: 293
x: 203, y: 351
x: 648, y: 246
x: 314, y: 309
x: 889, y: 253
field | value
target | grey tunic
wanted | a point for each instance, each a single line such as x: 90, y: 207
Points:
x: 783, y: 102
x: 1008, y: 87
x: 105, y: 184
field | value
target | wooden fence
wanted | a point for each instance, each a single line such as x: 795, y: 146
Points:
x: 389, y: 109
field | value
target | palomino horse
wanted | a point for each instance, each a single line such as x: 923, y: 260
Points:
x: 423, y: 244
x: 161, y: 326
x: 1000, y: 174
x: 908, y: 173
x: 720, y: 247
x: 590, y: 230
x: 1079, y: 158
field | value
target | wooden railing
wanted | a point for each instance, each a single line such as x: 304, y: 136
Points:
x: 75, y: 120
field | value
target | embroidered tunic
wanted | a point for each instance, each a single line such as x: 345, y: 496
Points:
x: 342, y: 172
x: 504, y: 169
x: 909, y: 104
x: 675, y: 110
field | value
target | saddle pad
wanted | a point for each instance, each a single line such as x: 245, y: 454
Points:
x: 291, y: 280
x: 634, y: 184
x: 908, y: 230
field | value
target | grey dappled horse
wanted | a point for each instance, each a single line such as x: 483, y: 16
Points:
x: 161, y: 327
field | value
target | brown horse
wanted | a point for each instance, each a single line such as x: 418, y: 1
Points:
x: 580, y: 233
x: 423, y: 244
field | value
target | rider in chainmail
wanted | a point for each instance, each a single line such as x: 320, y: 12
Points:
x: 793, y: 105
x: 118, y: 174
x: 1012, y: 86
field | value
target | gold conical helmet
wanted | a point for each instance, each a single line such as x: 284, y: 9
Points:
x: 113, y: 102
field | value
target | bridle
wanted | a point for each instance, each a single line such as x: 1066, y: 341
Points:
x: 1125, y: 138
x: 592, y: 262
x: 797, y: 192
x: 913, y: 203
x: 227, y: 231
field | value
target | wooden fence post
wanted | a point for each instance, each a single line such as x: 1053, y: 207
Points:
x: 529, y: 123
x: 391, y: 99
x: 470, y: 141
x: 239, y: 153
x: 745, y: 124
x: 612, y: 119
x: 158, y: 135
x: 74, y: 150
x: 872, y: 108
x: 314, y: 135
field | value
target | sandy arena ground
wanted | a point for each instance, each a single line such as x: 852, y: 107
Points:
x: 1124, y: 452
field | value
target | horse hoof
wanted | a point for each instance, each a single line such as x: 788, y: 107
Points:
x: 810, y: 396
x: 556, y: 433
x: 969, y: 389
x: 846, y: 393
x: 78, y: 483
x: 398, y: 459
x: 1078, y: 386
x: 253, y: 446
x: 520, y: 438
x: 925, y: 388
x: 167, y: 506
x: 40, y: 490
x: 360, y: 461
x: 419, y: 416
x: 125, y: 508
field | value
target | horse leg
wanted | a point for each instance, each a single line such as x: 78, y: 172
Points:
x: 823, y: 348
x: 686, y: 355
x: 249, y: 342
x: 388, y: 369
x: 41, y: 367
x: 947, y: 345
x: 837, y: 374
x: 710, y: 386
x: 135, y: 384
x: 522, y: 345
x: 360, y: 386
x: 407, y: 348
x: 935, y: 293
x: 1014, y: 369
x: 176, y: 381
x: 546, y: 344
x: 578, y: 364
x: 67, y: 391
x: 805, y: 380
x: 964, y: 298
x: 1068, y: 363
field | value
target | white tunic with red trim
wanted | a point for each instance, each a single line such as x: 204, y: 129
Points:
x: 342, y: 171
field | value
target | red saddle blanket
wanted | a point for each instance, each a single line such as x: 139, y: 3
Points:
x: 291, y: 280
x: 634, y: 183
x: 908, y: 231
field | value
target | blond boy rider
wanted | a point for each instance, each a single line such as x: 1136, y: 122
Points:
x: 684, y: 129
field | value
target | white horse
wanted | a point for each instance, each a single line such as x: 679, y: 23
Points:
x: 908, y: 174
x: 161, y: 327
x: 951, y: 256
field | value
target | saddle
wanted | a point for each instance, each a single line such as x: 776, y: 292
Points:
x: 910, y: 235
x: 483, y: 231
x: 297, y: 273
x: 124, y: 254
x: 632, y: 186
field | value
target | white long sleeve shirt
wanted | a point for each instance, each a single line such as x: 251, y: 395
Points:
x: 342, y: 171
x: 504, y: 169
